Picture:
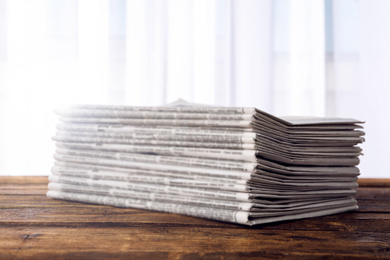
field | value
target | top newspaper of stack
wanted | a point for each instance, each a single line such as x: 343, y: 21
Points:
x: 317, y: 141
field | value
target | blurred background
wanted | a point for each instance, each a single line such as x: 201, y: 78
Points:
x: 286, y: 57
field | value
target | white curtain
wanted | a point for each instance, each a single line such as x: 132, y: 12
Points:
x: 287, y: 57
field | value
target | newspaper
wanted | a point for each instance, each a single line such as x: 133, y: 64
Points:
x: 293, y: 170
x: 238, y: 185
x: 183, y: 191
x: 157, y: 177
x: 304, y: 150
x: 162, y: 122
x: 81, y: 170
x: 239, y: 175
x: 200, y: 173
x: 213, y: 153
x: 252, y: 206
x: 240, y: 165
x: 93, y: 113
x: 160, y: 130
x: 163, y: 160
x: 85, y: 169
x: 192, y: 112
x: 173, y: 143
x: 242, y: 138
x: 218, y: 191
x: 187, y: 108
x: 228, y: 215
x: 265, y: 149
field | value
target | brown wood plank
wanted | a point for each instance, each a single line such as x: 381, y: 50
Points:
x: 372, y: 182
x: 373, y: 193
x: 175, y: 241
x: 33, y: 226
x: 40, y: 210
x: 23, y: 179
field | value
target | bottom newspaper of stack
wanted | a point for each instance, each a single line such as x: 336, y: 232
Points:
x: 238, y: 165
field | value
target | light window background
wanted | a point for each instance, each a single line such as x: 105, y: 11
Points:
x: 287, y: 57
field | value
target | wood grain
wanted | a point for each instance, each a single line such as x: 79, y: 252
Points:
x: 33, y: 226
x: 368, y: 182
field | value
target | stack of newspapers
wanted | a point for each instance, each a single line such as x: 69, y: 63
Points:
x: 231, y: 164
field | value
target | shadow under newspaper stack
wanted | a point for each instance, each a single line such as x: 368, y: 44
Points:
x: 238, y: 165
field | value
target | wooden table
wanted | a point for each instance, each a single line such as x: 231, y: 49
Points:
x: 33, y: 226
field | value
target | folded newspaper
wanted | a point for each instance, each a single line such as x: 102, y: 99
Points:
x: 231, y: 164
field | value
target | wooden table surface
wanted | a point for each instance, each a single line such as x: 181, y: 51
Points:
x: 33, y: 226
